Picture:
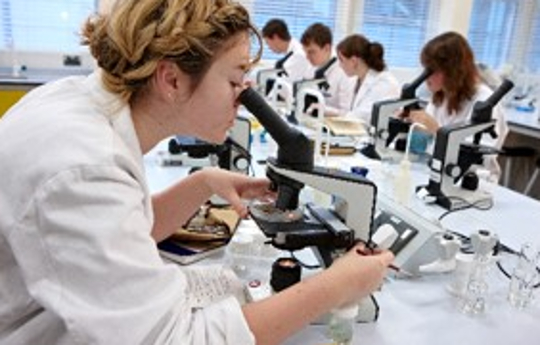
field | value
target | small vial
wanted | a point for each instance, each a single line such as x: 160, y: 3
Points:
x: 341, y: 325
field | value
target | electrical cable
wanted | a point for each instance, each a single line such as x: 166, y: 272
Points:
x: 500, y: 247
x: 476, y: 205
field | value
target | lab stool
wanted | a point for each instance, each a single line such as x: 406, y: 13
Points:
x: 533, y: 178
x: 512, y: 152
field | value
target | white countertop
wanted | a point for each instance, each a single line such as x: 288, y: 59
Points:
x: 421, y: 311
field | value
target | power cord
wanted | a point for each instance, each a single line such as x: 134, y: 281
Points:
x: 499, y: 248
x: 479, y: 205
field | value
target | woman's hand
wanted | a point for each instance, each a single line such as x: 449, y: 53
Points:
x: 420, y: 116
x: 234, y: 187
x: 355, y: 275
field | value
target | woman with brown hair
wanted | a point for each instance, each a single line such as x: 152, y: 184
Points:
x: 363, y: 59
x: 455, y: 86
x: 78, y: 227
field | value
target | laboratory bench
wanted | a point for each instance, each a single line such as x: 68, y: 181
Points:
x: 13, y: 87
x: 524, y: 131
x: 420, y: 310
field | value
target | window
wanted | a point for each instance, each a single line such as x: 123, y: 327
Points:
x: 43, y: 25
x: 401, y: 26
x: 506, y: 32
x: 532, y: 57
x: 297, y: 14
x: 491, y: 30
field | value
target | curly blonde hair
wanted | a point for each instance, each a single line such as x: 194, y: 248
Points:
x: 129, y: 42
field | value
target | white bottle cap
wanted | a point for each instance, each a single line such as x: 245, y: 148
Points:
x: 346, y: 312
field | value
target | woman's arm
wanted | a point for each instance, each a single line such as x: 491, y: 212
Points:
x: 348, y: 280
x: 174, y: 206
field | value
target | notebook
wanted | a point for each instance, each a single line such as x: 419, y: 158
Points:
x: 205, y: 234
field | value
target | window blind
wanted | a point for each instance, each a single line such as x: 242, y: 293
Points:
x: 43, y: 25
x: 532, y: 54
x: 506, y: 32
x: 297, y: 14
x: 402, y: 27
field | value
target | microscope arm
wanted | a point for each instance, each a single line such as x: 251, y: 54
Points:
x: 357, y: 194
x: 383, y: 111
x: 447, y: 146
x: 294, y: 148
x: 408, y: 91
x: 445, y: 168
x: 293, y: 168
x: 483, y: 110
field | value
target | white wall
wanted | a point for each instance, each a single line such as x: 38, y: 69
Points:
x: 454, y: 16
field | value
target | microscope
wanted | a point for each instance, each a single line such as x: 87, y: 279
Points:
x: 232, y: 155
x: 311, y: 91
x: 290, y: 226
x: 452, y: 158
x: 329, y: 231
x: 281, y: 97
x: 385, y: 127
x: 266, y: 77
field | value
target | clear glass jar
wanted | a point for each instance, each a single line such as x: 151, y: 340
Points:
x: 341, y: 325
x: 477, y: 288
x: 524, y: 277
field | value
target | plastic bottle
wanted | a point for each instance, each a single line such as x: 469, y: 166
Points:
x: 341, y: 324
x: 402, y: 182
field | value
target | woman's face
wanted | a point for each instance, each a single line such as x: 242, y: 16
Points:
x: 435, y: 81
x: 214, y: 104
x: 353, y: 66
x: 347, y: 64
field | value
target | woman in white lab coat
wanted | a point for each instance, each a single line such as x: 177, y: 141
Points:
x: 78, y: 226
x: 456, y: 86
x: 364, y: 60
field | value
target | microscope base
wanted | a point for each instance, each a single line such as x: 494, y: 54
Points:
x: 461, y: 198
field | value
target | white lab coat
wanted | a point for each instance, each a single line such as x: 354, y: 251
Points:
x: 376, y: 87
x: 77, y: 262
x: 297, y: 66
x: 440, y: 113
x: 341, y: 89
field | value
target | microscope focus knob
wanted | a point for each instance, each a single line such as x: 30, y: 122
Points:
x: 241, y: 163
x: 452, y: 170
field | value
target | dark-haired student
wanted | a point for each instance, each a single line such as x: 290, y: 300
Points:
x: 317, y: 43
x: 277, y: 37
x: 456, y: 86
x: 364, y: 60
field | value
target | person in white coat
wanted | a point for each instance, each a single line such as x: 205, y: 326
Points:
x: 317, y: 43
x: 79, y: 262
x: 456, y: 86
x: 364, y: 60
x: 277, y: 37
